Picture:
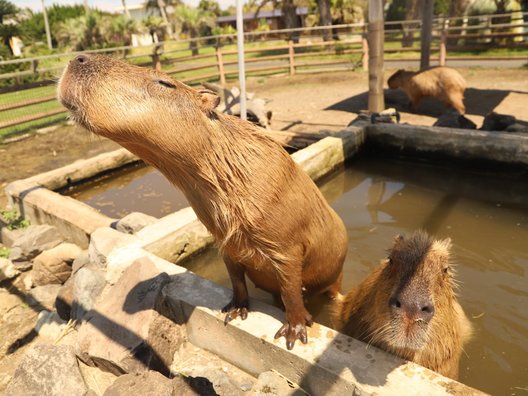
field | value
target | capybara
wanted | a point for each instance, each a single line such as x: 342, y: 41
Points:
x: 407, y: 306
x: 268, y: 217
x: 440, y: 82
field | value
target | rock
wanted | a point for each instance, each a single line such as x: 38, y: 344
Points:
x: 7, y: 236
x: 43, y: 297
x: 64, y: 300
x: 36, y: 239
x: 517, y: 127
x: 54, y: 266
x: 133, y: 222
x: 271, y: 384
x: 49, y: 325
x: 497, y: 122
x: 221, y: 382
x: 103, y: 241
x: 18, y: 258
x: 47, y: 370
x: 7, y: 269
x: 88, y: 285
x: 28, y: 281
x: 149, y: 383
x: 453, y: 119
x: 82, y: 260
x: 127, y: 330
x: 96, y: 380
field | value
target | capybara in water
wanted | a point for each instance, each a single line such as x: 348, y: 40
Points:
x: 268, y: 217
x: 407, y: 306
x: 440, y: 82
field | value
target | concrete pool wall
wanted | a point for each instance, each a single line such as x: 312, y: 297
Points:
x: 333, y: 363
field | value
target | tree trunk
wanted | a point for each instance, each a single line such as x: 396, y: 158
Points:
x: 427, y: 33
x: 125, y: 8
x: 376, y: 102
x: 161, y: 6
x: 411, y: 13
x: 290, y: 18
x: 193, y: 45
x: 325, y: 18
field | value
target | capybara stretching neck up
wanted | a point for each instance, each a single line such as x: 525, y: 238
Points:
x: 408, y: 307
x: 440, y: 82
x: 268, y: 217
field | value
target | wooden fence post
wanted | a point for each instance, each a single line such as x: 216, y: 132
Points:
x: 220, y: 64
x: 156, y: 62
x: 443, y: 43
x: 34, y: 66
x: 365, y: 54
x: 291, y: 53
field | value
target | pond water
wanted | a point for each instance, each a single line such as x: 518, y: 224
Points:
x: 484, y: 213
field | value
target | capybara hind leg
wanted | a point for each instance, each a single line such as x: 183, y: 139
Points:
x: 335, y: 289
x: 297, y: 317
x: 239, y: 304
x: 458, y: 104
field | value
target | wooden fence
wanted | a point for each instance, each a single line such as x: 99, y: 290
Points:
x: 294, y: 51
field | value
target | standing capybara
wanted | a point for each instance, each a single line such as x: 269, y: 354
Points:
x: 407, y: 306
x: 440, y: 82
x: 268, y: 217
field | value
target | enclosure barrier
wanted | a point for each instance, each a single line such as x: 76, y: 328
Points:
x: 25, y: 105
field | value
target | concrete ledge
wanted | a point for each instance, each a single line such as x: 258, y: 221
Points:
x: 462, y: 144
x: 331, y: 363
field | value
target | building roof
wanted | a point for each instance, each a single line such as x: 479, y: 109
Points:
x: 301, y: 11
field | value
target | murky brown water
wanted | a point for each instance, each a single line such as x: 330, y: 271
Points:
x: 139, y: 188
x: 485, y: 214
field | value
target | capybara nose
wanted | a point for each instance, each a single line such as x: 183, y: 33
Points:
x: 81, y: 59
x: 416, y: 309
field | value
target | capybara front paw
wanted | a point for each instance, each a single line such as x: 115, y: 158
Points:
x: 235, y: 310
x: 293, y: 332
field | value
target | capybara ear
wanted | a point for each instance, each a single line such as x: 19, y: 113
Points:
x: 208, y: 100
x: 398, y: 239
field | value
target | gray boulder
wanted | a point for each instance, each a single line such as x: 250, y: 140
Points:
x: 270, y: 383
x: 54, y: 266
x: 43, y: 297
x: 7, y: 269
x: 128, y: 331
x: 454, y: 119
x: 497, y: 122
x: 47, y: 370
x: 149, y: 383
x: 88, y: 285
x: 35, y: 240
x: 133, y: 222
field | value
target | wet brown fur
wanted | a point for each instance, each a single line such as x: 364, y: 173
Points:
x: 440, y: 82
x: 267, y: 216
x: 417, y: 265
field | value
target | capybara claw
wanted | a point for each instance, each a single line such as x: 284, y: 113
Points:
x: 234, y: 311
x: 292, y: 334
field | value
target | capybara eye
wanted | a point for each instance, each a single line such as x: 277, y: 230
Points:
x: 166, y: 84
x: 446, y: 269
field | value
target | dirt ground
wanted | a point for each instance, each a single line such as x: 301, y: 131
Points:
x: 307, y: 103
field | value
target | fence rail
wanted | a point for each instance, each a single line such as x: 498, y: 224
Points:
x: 25, y: 104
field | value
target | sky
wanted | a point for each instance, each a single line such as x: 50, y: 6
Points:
x: 106, y: 5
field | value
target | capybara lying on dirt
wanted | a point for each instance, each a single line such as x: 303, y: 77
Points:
x: 407, y: 306
x: 441, y: 82
x: 269, y: 219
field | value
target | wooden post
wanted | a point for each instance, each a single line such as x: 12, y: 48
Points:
x: 443, y: 43
x: 365, y: 54
x: 156, y: 63
x: 34, y: 66
x: 291, y: 53
x: 220, y: 64
x: 376, y: 101
x: 426, y: 34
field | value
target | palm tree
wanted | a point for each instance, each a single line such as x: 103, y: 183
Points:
x: 191, y: 21
x: 6, y: 8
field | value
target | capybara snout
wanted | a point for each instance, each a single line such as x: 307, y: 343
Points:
x: 414, y: 308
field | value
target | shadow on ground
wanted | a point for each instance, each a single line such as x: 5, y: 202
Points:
x: 477, y: 101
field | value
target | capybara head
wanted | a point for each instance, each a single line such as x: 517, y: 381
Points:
x: 395, y: 81
x: 414, y: 288
x: 118, y: 100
